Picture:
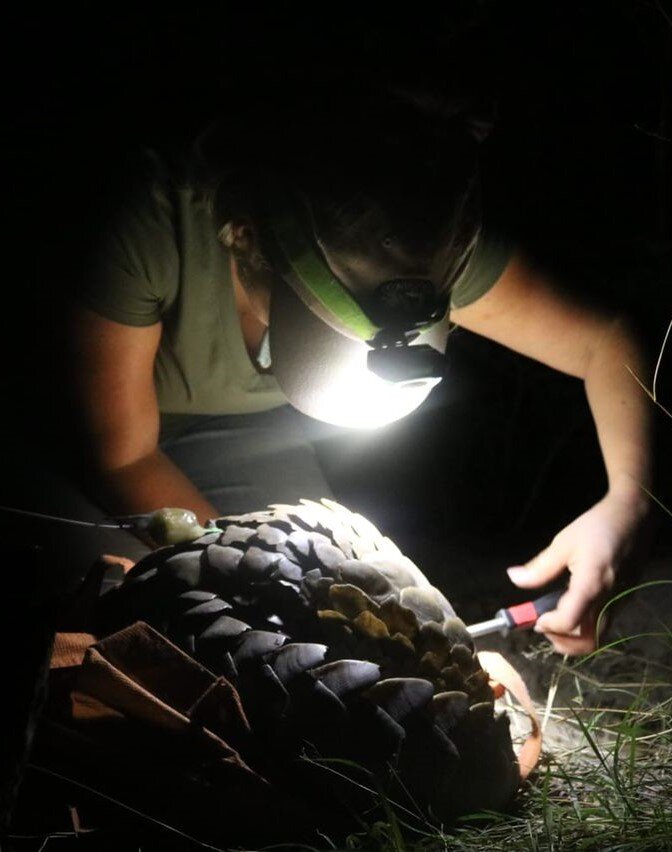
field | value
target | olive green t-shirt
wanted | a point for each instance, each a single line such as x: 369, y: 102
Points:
x: 493, y: 251
x: 159, y: 259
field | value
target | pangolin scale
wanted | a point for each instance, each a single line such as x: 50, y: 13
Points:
x: 337, y: 644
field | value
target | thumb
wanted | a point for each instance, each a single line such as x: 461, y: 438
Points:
x: 574, y: 645
x: 539, y: 570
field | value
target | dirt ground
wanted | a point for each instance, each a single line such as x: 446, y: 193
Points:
x: 637, y: 666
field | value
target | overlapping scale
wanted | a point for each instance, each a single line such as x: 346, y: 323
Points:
x: 336, y: 640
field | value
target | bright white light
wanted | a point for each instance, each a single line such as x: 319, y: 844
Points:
x: 374, y: 402
x: 354, y: 397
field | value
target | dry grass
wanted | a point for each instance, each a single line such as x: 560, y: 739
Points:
x: 604, y: 781
x: 605, y: 778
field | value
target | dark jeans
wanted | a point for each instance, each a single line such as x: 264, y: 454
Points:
x: 241, y: 463
x: 244, y: 462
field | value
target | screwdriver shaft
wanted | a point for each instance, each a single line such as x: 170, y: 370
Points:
x: 483, y: 628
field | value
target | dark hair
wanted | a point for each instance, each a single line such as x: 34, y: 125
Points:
x: 326, y: 136
x: 367, y: 163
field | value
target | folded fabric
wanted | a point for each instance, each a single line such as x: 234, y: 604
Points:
x: 137, y: 674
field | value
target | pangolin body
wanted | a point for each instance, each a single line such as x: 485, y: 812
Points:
x: 336, y: 643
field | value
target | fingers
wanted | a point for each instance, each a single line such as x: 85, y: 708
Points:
x: 573, y: 645
x: 591, y: 563
x: 542, y: 569
x: 571, y: 626
x: 571, y: 610
x: 587, y: 586
x: 581, y: 639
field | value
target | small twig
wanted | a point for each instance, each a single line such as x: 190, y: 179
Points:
x: 656, y: 500
x: 653, y: 736
x: 652, y: 134
x: 660, y: 358
x: 627, y: 593
x: 663, y: 12
x: 647, y: 391
x: 552, y: 691
x: 124, y: 806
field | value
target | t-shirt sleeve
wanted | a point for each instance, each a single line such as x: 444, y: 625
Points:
x: 132, y: 271
x: 493, y: 251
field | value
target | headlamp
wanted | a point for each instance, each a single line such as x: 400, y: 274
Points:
x: 353, y: 359
x: 402, y: 308
x: 388, y: 320
x: 393, y: 359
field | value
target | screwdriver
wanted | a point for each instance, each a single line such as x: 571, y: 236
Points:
x: 516, y: 617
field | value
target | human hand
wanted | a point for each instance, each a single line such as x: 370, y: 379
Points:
x: 592, y: 548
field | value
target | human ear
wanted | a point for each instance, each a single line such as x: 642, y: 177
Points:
x: 237, y: 236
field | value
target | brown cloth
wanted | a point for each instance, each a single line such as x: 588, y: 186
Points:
x: 136, y: 717
x: 137, y: 674
x: 69, y: 649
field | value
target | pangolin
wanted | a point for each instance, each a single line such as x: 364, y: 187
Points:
x: 336, y: 642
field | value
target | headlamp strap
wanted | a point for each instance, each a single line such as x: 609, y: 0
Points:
x: 315, y: 284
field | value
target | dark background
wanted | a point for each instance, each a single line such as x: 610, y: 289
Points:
x: 577, y: 170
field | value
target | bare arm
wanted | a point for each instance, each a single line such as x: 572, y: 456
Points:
x: 112, y: 367
x: 525, y: 313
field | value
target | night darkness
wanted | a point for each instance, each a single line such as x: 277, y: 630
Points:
x: 577, y: 170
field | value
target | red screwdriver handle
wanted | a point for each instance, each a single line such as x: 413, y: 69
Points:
x: 526, y: 614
